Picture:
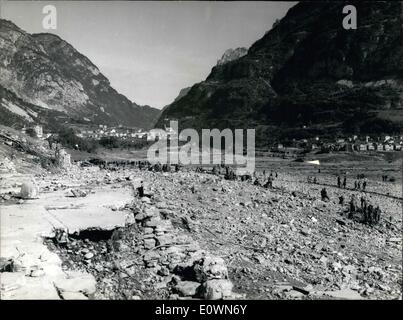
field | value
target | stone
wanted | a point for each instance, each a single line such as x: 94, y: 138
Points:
x: 164, y: 240
x: 295, y: 294
x: 216, y: 289
x: 151, y: 212
x: 66, y: 295
x: 153, y: 222
x: 146, y: 199
x: 29, y: 190
x: 37, y: 273
x: 344, y: 294
x: 140, y: 217
x: 63, y: 159
x: 77, y: 282
x: 187, y: 288
x: 148, y: 230
x: 149, y: 243
x: 89, y: 255
x: 210, y: 267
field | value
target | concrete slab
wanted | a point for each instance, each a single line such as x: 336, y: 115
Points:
x: 23, y: 228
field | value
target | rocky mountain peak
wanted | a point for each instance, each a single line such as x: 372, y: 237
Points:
x: 232, y: 54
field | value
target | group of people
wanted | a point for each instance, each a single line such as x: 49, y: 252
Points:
x: 340, y: 183
x: 359, y: 186
x: 384, y: 178
x: 312, y: 179
x: 369, y: 214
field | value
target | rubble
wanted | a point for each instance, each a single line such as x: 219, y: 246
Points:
x: 227, y: 239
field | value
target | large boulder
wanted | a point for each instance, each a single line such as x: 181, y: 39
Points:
x: 29, y: 190
x: 187, y: 288
x: 209, y: 268
x: 216, y: 289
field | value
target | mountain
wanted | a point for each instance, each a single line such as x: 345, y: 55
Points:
x: 232, y: 54
x: 46, y: 71
x: 307, y: 76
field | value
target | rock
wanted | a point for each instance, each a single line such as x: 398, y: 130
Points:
x: 164, y: 271
x: 209, y: 268
x: 187, y: 288
x: 345, y: 294
x: 148, y: 230
x: 66, y: 295
x: 216, y: 289
x: 6, y: 197
x: 29, y: 190
x: 89, y: 255
x: 140, y: 217
x: 149, y: 243
x: 76, y: 282
x: 63, y: 159
x: 151, y: 212
x: 164, y: 240
x: 295, y: 294
x: 146, y: 199
x: 76, y: 193
x: 153, y: 222
x: 37, y: 273
x: 305, y: 290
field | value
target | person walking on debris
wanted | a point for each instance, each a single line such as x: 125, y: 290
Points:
x: 324, y: 195
x: 363, y: 202
x: 269, y: 183
x: 369, y: 215
x: 314, y: 180
x: 341, y: 200
x: 353, y: 207
x: 359, y: 185
x: 377, y: 214
x: 364, y: 185
x: 338, y: 182
x: 355, y: 185
x: 140, y: 190
x: 344, y: 182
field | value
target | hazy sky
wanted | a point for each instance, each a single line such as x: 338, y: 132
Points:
x: 151, y: 50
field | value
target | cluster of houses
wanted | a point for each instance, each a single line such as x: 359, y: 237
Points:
x: 118, y: 132
x: 127, y: 133
x: 354, y: 143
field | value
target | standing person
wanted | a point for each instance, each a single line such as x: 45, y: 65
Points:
x: 359, y: 185
x: 364, y: 185
x: 338, y: 182
x: 377, y: 214
x: 344, y: 182
x: 341, y: 200
x: 324, y: 195
x: 352, y: 207
x: 140, y: 190
x: 370, y: 214
x: 355, y: 185
x: 314, y: 180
